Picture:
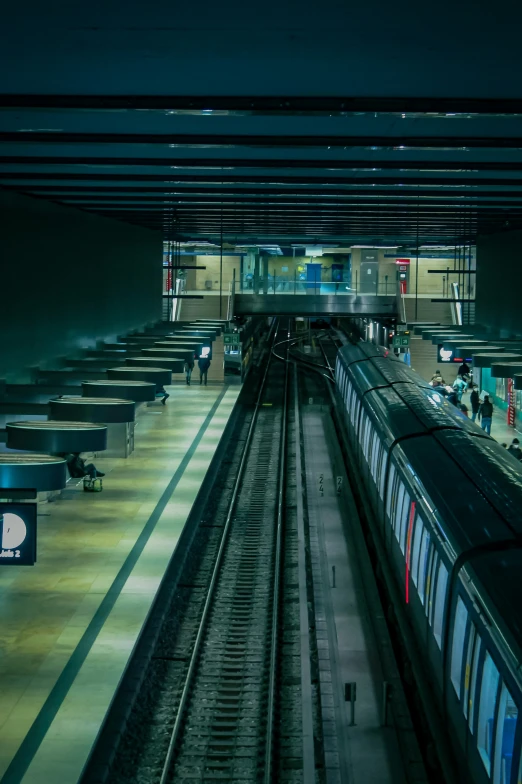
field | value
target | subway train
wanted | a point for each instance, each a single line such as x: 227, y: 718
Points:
x: 448, y: 503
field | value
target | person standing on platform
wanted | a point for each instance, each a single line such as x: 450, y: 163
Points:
x: 437, y: 380
x: 189, y: 367
x: 485, y: 414
x: 203, y: 364
x: 474, y: 399
x: 464, y: 371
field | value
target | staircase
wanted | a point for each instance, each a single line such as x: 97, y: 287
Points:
x: 428, y: 311
x: 208, y: 307
x: 423, y: 353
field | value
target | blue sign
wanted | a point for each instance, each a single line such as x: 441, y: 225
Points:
x: 18, y: 532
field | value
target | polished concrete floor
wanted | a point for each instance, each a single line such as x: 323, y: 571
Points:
x: 500, y: 430
x: 69, y: 624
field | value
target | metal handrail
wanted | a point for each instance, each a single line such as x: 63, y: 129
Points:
x: 456, y: 306
x: 401, y: 305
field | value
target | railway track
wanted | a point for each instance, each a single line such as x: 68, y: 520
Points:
x: 223, y: 699
x: 224, y: 720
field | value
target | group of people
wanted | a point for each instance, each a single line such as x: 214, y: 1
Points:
x: 481, y: 409
x: 188, y: 367
x: 203, y: 365
x: 514, y: 449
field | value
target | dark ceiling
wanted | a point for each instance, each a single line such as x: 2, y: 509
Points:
x: 118, y: 109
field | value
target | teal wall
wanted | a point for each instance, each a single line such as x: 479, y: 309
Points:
x: 499, y: 283
x: 69, y: 279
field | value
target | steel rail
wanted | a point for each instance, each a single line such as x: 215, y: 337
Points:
x: 267, y: 778
x: 165, y: 774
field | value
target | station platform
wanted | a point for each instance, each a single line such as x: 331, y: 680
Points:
x: 500, y: 430
x: 348, y: 614
x: 70, y: 623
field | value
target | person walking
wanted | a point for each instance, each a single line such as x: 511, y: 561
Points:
x: 162, y: 393
x: 459, y: 386
x: 203, y: 364
x: 485, y: 414
x: 189, y: 367
x: 474, y: 400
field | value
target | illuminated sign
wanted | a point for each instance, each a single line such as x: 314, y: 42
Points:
x: 446, y: 355
x: 18, y: 532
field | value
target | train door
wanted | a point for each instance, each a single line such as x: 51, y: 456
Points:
x: 313, y: 278
x: 369, y: 272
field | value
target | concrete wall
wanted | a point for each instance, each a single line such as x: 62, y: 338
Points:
x: 211, y: 273
x: 69, y: 279
x: 427, y: 283
x: 499, y: 283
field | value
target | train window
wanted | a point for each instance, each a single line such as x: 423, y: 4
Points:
x: 377, y: 449
x: 457, y: 648
x: 372, y: 448
x: 383, y: 460
x: 391, y: 491
x: 473, y: 641
x: 440, y: 602
x: 488, y: 700
x: 362, y: 425
x: 348, y: 393
x: 398, y: 510
x: 423, y: 565
x: 367, y: 440
x: 405, y: 519
x: 430, y: 582
x: 415, y: 550
x: 369, y: 445
x: 349, y: 399
x: 362, y: 433
x: 504, y: 737
x: 357, y: 408
x: 473, y: 686
x: 364, y: 430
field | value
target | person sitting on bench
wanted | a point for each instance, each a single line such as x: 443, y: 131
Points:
x: 78, y: 468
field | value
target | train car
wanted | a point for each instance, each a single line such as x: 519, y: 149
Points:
x: 448, y: 501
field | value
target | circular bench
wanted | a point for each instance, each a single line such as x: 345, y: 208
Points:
x: 32, y: 472
x: 174, y: 364
x: 129, y: 389
x: 92, y: 409
x: 156, y: 375
x: 55, y: 436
